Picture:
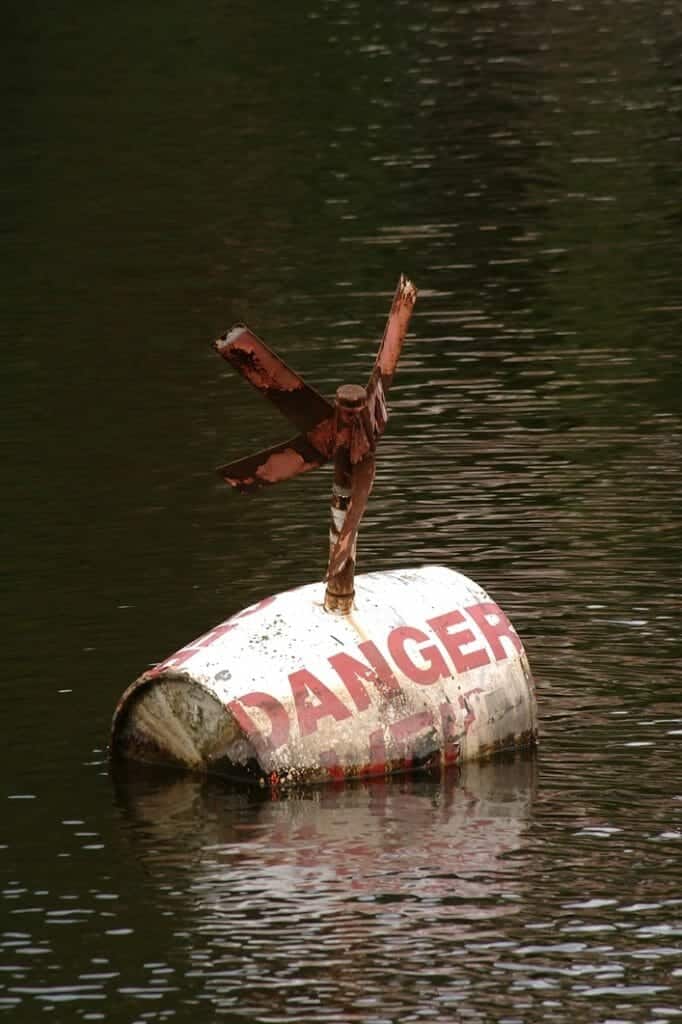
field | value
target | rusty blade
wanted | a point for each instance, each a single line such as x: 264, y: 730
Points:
x: 270, y: 375
x: 361, y: 484
x: 389, y: 353
x: 281, y: 461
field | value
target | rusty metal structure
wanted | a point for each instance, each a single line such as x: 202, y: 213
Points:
x: 362, y: 676
x: 346, y: 432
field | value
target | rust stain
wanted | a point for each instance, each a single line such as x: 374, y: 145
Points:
x: 274, y: 464
x: 396, y: 328
x: 301, y: 404
x: 377, y: 410
x: 348, y: 432
x: 282, y: 466
x: 362, y: 479
x: 260, y: 367
x: 388, y: 355
x: 362, y: 437
x: 321, y: 437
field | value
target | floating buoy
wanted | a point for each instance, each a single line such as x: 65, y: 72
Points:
x: 356, y: 677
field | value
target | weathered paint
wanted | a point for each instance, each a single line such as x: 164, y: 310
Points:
x: 349, y: 500
x: 322, y: 430
x: 269, y: 374
x: 389, y: 353
x: 426, y: 669
x: 304, y: 407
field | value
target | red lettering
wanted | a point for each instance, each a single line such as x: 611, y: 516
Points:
x: 214, y: 634
x: 434, y: 667
x: 305, y: 685
x: 175, y: 660
x: 329, y: 759
x: 470, y: 716
x: 353, y: 673
x: 385, y: 680
x: 448, y: 718
x: 411, y: 725
x: 496, y: 628
x: 185, y: 653
x: 377, y: 753
x: 453, y: 642
x: 408, y: 727
x: 276, y: 712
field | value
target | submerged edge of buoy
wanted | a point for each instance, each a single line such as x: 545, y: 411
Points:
x: 170, y: 719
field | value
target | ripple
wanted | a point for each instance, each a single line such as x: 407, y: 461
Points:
x: 521, y: 162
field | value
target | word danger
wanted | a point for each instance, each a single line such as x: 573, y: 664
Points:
x: 450, y: 644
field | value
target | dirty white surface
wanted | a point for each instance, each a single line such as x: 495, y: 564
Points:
x: 425, y: 663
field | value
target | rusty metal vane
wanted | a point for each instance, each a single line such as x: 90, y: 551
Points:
x: 309, y: 412
x: 347, y: 431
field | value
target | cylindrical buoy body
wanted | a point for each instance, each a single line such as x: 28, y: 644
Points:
x: 426, y: 669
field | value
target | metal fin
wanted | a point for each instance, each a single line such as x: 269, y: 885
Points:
x: 281, y: 461
x: 389, y: 352
x: 270, y: 375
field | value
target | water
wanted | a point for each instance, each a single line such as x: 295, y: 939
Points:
x: 165, y: 172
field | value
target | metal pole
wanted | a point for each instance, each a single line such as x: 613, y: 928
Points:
x: 351, y: 400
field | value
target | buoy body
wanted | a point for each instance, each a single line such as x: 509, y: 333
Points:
x: 426, y: 669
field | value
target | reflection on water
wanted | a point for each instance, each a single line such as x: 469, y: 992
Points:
x: 385, y: 840
x: 298, y: 902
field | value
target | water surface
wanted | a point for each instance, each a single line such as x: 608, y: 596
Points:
x: 165, y: 172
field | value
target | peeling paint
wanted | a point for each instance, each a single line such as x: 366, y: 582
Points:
x: 283, y: 465
x: 418, y: 676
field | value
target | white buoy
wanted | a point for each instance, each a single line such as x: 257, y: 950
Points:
x: 426, y: 670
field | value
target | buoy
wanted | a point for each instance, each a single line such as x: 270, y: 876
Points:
x: 356, y: 677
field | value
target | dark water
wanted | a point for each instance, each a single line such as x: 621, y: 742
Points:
x: 166, y: 169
